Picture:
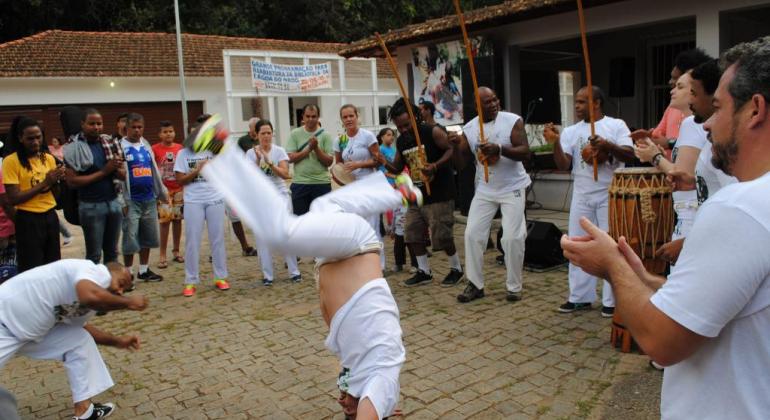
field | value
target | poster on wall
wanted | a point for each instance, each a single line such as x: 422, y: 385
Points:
x: 286, y: 78
x: 437, y: 77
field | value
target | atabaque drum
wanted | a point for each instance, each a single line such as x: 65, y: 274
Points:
x: 641, y: 210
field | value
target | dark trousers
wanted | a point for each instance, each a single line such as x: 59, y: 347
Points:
x: 37, y: 239
x: 302, y: 195
x: 399, y: 252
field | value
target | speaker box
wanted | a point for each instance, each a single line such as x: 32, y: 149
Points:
x: 70, y: 118
x: 543, y: 249
x: 622, y: 73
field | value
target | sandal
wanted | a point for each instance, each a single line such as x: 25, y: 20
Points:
x: 250, y: 252
x: 162, y: 264
x: 178, y: 258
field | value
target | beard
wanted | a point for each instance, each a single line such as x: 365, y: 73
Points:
x: 724, y: 155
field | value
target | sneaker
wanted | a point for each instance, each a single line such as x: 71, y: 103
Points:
x: 572, y: 307
x: 470, y: 293
x: 420, y: 277
x: 149, y: 276
x: 410, y: 194
x: 398, y: 268
x: 132, y: 287
x: 655, y: 365
x: 413, y: 269
x: 249, y: 252
x: 66, y: 241
x: 452, y: 278
x: 608, y: 311
x: 189, y: 290
x: 266, y: 282
x: 210, y: 135
x: 222, y: 284
x: 296, y: 279
x: 513, y: 296
x: 100, y: 411
x: 500, y: 259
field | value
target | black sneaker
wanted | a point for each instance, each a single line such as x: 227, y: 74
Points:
x: 572, y: 307
x: 420, y: 277
x: 452, y: 278
x: 266, y: 282
x: 608, y: 311
x: 297, y: 278
x: 500, y: 259
x: 100, y: 411
x: 150, y: 276
x: 470, y: 293
x: 132, y: 287
x: 513, y: 296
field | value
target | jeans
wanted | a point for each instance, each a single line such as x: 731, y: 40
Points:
x: 101, y: 222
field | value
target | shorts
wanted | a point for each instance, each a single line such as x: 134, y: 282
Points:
x: 140, y: 227
x: 174, y: 211
x: 231, y: 214
x: 438, y: 217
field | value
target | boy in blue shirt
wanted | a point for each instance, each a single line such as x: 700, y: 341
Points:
x: 144, y: 187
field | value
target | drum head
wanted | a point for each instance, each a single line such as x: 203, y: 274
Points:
x: 340, y: 175
x: 638, y: 171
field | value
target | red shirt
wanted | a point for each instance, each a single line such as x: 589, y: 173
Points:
x: 165, y: 156
x: 7, y: 227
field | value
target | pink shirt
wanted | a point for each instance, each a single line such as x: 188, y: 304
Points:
x: 669, y: 125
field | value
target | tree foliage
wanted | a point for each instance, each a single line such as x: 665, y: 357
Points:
x: 311, y: 20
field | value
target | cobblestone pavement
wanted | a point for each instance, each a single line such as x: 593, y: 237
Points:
x: 257, y: 352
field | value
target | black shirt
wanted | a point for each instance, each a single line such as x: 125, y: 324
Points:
x: 246, y: 142
x: 442, y: 187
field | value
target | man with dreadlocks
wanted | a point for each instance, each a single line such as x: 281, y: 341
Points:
x: 437, y: 211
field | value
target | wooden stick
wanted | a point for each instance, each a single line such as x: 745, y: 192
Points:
x: 472, y: 66
x: 587, y: 60
x: 420, y: 150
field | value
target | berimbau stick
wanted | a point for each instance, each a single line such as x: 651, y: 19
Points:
x: 408, y: 108
x: 472, y: 66
x: 587, y: 60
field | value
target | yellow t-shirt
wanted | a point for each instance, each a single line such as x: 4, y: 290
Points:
x: 15, y: 174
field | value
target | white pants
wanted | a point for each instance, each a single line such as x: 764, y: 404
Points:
x: 195, y: 214
x: 328, y: 231
x: 71, y: 344
x: 266, y: 257
x: 483, y: 209
x: 582, y: 286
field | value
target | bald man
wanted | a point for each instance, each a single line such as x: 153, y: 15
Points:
x: 504, y: 148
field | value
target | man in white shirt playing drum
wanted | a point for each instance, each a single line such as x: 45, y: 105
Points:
x: 708, y: 321
x: 575, y: 149
x: 44, y: 314
x: 505, y: 147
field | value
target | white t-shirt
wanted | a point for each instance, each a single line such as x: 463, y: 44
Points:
x: 708, y: 178
x: 32, y: 302
x: 507, y: 175
x: 277, y: 154
x: 199, y: 190
x: 720, y: 288
x: 365, y: 334
x: 575, y: 138
x: 691, y: 134
x: 356, y: 150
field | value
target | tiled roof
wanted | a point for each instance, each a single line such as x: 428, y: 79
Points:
x: 58, y: 53
x: 476, y: 20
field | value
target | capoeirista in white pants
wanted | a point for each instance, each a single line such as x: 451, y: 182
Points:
x: 482, y: 211
x: 336, y: 226
x: 71, y: 344
x: 582, y: 286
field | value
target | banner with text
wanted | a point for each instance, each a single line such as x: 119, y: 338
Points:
x: 284, y: 78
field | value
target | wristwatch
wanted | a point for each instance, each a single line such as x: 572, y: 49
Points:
x: 656, y: 159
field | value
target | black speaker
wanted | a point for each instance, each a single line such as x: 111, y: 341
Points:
x: 543, y: 249
x: 622, y: 73
x: 70, y: 118
x: 536, y: 84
